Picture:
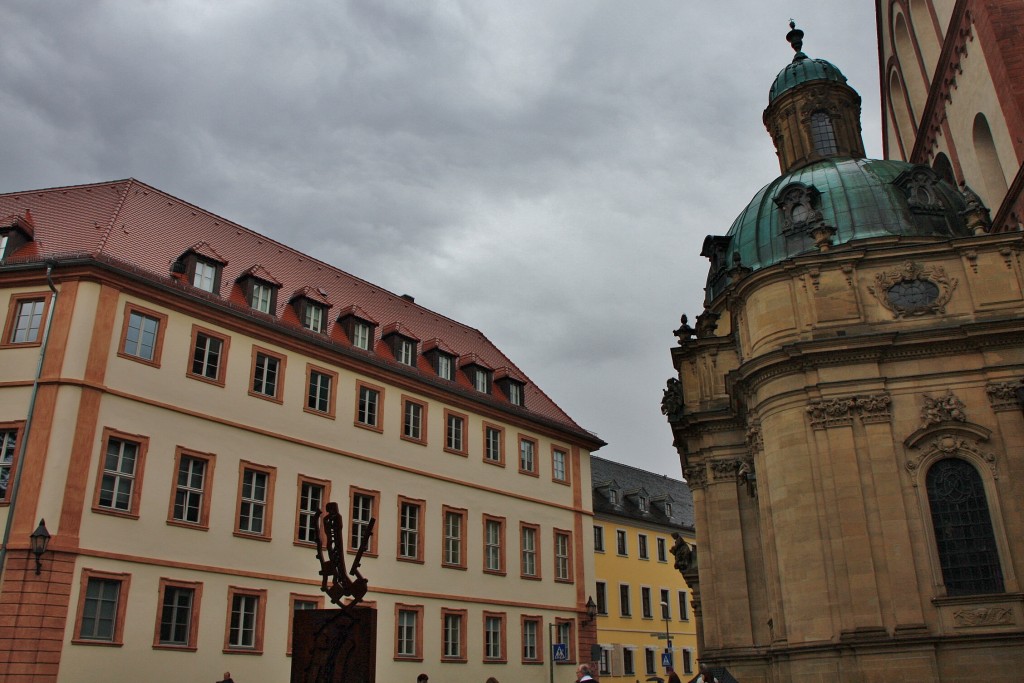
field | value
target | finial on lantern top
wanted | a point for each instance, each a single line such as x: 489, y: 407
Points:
x: 796, y: 39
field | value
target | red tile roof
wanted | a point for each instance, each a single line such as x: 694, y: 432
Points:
x: 129, y: 221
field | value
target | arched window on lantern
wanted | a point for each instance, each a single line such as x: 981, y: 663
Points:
x: 823, y: 134
x: 963, y: 529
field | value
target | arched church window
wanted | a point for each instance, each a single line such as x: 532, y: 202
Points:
x: 944, y: 169
x: 963, y: 529
x: 823, y: 135
x: 988, y: 160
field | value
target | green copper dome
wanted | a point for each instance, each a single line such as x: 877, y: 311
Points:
x: 846, y: 199
x: 802, y: 70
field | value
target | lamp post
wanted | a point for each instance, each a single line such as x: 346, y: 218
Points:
x: 591, y: 611
x: 668, y: 636
x: 40, y: 538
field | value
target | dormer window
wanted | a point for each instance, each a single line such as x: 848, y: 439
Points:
x: 668, y: 509
x: 641, y: 502
x: 515, y: 393
x: 260, y: 289
x: 311, y: 307
x: 445, y: 366
x: 511, y: 386
x: 479, y: 375
x: 402, y: 343
x: 313, y: 317
x: 613, y: 496
x: 261, y: 296
x: 202, y: 267
x: 441, y: 358
x: 3, y: 245
x: 358, y: 326
x: 482, y: 380
x: 15, y: 231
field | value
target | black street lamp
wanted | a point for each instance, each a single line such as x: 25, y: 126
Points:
x: 40, y: 538
x: 591, y: 611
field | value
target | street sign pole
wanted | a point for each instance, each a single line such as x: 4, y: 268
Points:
x: 551, y: 660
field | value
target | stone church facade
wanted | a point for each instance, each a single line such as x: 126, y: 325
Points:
x: 847, y: 410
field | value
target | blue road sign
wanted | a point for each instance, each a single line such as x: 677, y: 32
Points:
x: 560, y: 652
x: 666, y: 659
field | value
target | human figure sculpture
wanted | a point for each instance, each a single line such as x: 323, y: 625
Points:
x: 682, y: 552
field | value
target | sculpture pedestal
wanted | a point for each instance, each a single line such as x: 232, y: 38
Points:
x: 334, y: 646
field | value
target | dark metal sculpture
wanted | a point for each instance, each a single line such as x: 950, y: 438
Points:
x: 333, y: 568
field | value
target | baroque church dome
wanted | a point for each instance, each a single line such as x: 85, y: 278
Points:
x: 828, y: 195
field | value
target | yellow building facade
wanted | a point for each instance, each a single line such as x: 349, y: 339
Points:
x: 641, y: 597
x: 179, y: 394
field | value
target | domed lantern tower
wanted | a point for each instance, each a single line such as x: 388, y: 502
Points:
x: 847, y: 413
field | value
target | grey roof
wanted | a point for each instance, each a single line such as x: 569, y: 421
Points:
x: 627, y: 481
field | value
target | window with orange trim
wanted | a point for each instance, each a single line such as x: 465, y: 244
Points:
x: 494, y: 544
x: 177, y: 620
x: 414, y: 420
x: 455, y: 432
x: 363, y: 506
x: 209, y: 358
x: 25, y: 319
x: 453, y: 522
x: 532, y: 630
x: 102, y: 600
x: 559, y: 465
x: 494, y: 637
x: 565, y: 630
x: 563, y: 556
x: 494, y: 444
x: 453, y: 635
x: 313, y: 495
x: 527, y: 455
x: 10, y: 433
x: 409, y: 632
x: 410, y: 529
x: 254, y: 510
x: 193, y: 484
x: 119, y: 480
x: 529, y: 551
x: 321, y: 390
x: 245, y: 619
x: 142, y: 335
x: 267, y: 373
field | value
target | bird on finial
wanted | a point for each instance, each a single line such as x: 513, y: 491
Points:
x: 796, y: 39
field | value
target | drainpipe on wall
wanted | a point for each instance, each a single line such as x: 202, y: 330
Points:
x: 20, y: 462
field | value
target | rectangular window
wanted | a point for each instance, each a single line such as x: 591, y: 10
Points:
x: 320, y: 397
x: 531, y: 639
x: 645, y: 603
x: 563, y: 556
x: 267, y: 374
x: 26, y: 319
x: 564, y: 634
x: 408, y: 635
x: 101, y: 606
x: 361, y: 335
x: 209, y: 356
x: 625, y: 609
x: 455, y: 431
x: 191, y: 502
x: 406, y: 352
x: 444, y: 366
x: 368, y: 407
x: 628, y: 667
x: 142, y: 336
x: 494, y: 636
x: 661, y: 550
x: 650, y: 659
x: 453, y: 636
x: 494, y: 544
x: 605, y: 665
x: 515, y: 393
x: 313, y: 316
x: 410, y: 516
x: 602, y: 598
x: 245, y: 619
x: 177, y: 623
x: 3, y: 244
x: 414, y: 420
x: 482, y: 381
x: 598, y: 539
x: 620, y: 542
x: 529, y: 567
x: 666, y: 604
x: 312, y: 497
x: 8, y: 457
x: 204, y: 276
x: 494, y: 444
x: 255, y: 499
x: 120, y: 477
x: 454, y: 552
x: 262, y: 295
x: 684, y: 614
x: 687, y: 662
x: 363, y: 509
x: 642, y: 546
x: 527, y: 455
x: 559, y: 471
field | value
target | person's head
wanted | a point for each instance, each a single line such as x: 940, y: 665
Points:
x: 669, y: 669
x: 491, y: 679
x: 422, y: 678
x: 582, y: 670
x: 227, y: 675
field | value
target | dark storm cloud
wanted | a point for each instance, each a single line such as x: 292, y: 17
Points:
x: 545, y: 171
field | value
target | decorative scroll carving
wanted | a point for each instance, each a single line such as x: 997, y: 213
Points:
x: 874, y: 408
x: 946, y: 408
x: 983, y: 616
x: 696, y: 476
x: 672, y: 400
x: 725, y: 469
x: 1005, y: 395
x: 800, y: 207
x: 833, y: 412
x: 914, y: 289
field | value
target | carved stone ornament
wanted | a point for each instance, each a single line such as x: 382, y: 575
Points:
x: 983, y: 616
x: 755, y: 441
x: 919, y: 185
x: 1005, y: 395
x: 707, y: 323
x: 834, y: 412
x: 672, y: 400
x: 696, y: 476
x: 914, y: 289
x: 950, y: 444
x: 977, y: 215
x: 875, y: 408
x: 725, y: 470
x: 684, y: 332
x: 746, y: 476
x: 946, y: 408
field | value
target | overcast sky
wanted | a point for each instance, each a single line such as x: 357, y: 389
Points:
x: 544, y: 171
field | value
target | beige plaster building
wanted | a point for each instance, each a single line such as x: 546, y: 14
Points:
x: 178, y: 394
x: 847, y: 409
